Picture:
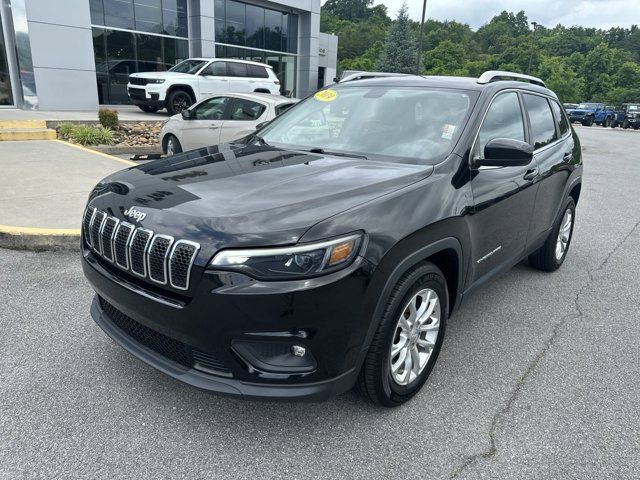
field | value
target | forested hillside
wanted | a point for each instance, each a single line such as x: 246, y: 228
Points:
x: 579, y: 64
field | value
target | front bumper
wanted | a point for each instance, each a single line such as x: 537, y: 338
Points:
x: 144, y: 95
x: 323, y: 316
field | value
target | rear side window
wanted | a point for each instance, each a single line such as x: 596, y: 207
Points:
x: 283, y: 107
x: 543, y: 129
x: 256, y: 71
x: 561, y: 118
x: 236, y: 69
x: 503, y: 120
x: 247, y: 110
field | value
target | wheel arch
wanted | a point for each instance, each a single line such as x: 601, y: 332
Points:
x: 261, y: 90
x: 575, y: 192
x: 183, y: 87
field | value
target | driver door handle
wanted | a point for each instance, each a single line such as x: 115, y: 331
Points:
x: 568, y: 156
x: 531, y: 174
x: 214, y: 126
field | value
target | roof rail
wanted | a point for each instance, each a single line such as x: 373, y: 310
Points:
x: 495, y: 75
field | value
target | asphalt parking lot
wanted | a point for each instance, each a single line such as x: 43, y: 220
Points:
x: 538, y: 377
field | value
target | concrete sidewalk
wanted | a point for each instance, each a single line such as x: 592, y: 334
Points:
x: 125, y: 113
x: 44, y: 187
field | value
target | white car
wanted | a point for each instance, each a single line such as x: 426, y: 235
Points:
x: 220, y: 119
x: 196, y: 78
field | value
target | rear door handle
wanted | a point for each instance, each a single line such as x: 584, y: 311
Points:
x: 531, y: 174
x: 213, y: 127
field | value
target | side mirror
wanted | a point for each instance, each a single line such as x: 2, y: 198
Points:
x: 336, y: 80
x: 188, y: 114
x: 262, y: 124
x: 505, y: 152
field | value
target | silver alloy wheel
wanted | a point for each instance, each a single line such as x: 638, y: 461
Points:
x: 564, y: 234
x: 171, y: 148
x: 415, y: 336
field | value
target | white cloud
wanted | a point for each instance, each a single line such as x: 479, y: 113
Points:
x: 588, y: 13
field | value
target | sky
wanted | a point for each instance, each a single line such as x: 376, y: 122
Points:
x: 588, y: 13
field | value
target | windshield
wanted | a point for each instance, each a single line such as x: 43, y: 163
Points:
x: 188, y: 66
x: 405, y: 123
x: 588, y: 106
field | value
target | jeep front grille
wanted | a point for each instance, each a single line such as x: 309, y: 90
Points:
x: 140, y: 251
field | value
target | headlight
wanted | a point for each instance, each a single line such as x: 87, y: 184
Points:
x: 299, y: 261
x: 155, y: 80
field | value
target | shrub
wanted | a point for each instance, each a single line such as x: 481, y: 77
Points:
x: 108, y: 118
x: 65, y: 129
x: 91, y: 135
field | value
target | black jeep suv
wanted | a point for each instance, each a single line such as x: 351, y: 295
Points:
x: 329, y: 248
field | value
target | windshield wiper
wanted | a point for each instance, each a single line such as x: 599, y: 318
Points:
x: 259, y: 139
x: 335, y: 154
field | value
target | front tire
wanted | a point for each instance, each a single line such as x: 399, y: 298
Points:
x: 552, y: 254
x: 172, y: 145
x: 588, y: 122
x: 178, y: 101
x: 407, y: 342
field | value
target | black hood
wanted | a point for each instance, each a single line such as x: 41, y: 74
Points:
x: 237, y: 195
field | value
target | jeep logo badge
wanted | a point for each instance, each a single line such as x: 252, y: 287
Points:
x: 137, y: 215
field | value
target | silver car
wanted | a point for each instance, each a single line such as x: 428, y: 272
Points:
x: 220, y: 119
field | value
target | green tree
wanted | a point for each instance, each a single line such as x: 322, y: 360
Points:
x: 349, y: 9
x: 400, y: 51
x: 562, y: 79
x: 447, y: 58
x: 628, y: 76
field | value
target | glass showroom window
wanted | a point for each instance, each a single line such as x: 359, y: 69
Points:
x: 167, y: 17
x: 118, y: 54
x: 6, y: 97
x: 247, y: 25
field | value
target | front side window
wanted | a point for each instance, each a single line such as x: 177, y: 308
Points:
x: 212, y: 109
x: 414, y: 125
x: 543, y: 129
x: 560, y: 117
x: 188, y: 66
x: 503, y: 120
x: 247, y: 110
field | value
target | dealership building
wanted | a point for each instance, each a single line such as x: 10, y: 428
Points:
x: 78, y: 54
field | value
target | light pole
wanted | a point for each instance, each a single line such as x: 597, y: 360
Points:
x: 533, y: 46
x: 419, y: 64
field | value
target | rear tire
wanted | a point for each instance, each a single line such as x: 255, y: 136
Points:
x: 148, y: 108
x: 177, y: 101
x: 552, y: 254
x: 171, y: 145
x: 423, y: 286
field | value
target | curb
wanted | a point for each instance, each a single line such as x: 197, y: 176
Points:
x: 39, y: 239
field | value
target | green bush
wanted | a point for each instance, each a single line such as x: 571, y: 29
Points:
x: 90, y: 135
x: 108, y: 118
x: 65, y: 129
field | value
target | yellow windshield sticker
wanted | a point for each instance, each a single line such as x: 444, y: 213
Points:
x: 327, y: 95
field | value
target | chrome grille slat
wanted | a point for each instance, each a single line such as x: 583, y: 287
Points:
x: 89, y: 215
x: 138, y: 251
x: 181, y: 260
x: 106, y: 237
x: 159, y: 258
x: 157, y: 254
x: 121, y: 244
x: 96, y: 229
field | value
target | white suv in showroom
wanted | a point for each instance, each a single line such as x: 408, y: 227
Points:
x: 196, y: 78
